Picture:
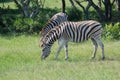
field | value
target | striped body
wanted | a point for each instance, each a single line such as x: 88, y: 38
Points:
x: 54, y: 21
x: 75, y: 32
x: 81, y: 31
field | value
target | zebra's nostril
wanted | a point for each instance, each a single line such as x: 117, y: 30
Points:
x: 42, y: 57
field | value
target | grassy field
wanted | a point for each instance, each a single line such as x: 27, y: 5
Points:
x: 20, y: 60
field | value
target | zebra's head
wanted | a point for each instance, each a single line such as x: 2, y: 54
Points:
x: 45, y: 50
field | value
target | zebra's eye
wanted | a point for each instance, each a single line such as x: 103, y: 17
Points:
x: 43, y: 49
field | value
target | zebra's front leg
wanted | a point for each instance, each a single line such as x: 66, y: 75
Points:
x: 66, y: 51
x: 61, y: 43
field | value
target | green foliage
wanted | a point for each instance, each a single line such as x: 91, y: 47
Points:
x: 116, y: 16
x: 6, y: 21
x: 18, y: 25
x: 112, y: 31
x: 93, y: 15
x: 74, y: 14
x: 13, y: 23
x: 24, y: 25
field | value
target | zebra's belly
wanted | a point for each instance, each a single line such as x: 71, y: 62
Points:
x: 71, y: 40
x: 77, y: 40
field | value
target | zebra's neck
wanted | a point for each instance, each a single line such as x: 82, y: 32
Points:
x: 52, y: 36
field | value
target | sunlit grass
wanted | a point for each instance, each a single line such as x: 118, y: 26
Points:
x: 10, y: 5
x: 20, y: 60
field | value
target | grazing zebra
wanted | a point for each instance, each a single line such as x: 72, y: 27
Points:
x: 75, y: 32
x: 54, y: 21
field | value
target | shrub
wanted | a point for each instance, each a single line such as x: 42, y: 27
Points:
x: 112, y: 31
x: 74, y: 14
x: 12, y: 22
x: 27, y: 25
x: 6, y: 23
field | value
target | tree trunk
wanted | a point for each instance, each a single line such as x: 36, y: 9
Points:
x: 26, y: 9
x: 118, y: 5
x: 85, y: 10
x: 99, y: 11
x: 108, y: 10
x: 99, y: 3
x: 63, y: 6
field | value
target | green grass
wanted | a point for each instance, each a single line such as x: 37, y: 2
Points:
x: 20, y: 60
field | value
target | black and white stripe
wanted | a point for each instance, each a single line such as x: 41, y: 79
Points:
x: 75, y: 32
x: 54, y: 21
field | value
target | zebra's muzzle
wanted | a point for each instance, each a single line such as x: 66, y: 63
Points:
x: 43, y: 57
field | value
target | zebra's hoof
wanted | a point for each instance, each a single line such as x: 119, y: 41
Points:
x: 66, y: 58
x: 103, y: 58
x: 92, y: 58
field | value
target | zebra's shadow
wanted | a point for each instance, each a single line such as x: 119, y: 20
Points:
x: 92, y: 60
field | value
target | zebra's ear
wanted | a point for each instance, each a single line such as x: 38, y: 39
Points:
x: 40, y: 32
x: 41, y: 44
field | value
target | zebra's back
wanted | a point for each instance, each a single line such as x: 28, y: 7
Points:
x: 81, y: 31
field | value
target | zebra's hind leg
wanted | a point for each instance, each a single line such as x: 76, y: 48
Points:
x: 66, y: 51
x: 95, y: 48
x: 99, y: 42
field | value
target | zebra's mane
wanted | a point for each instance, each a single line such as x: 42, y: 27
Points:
x: 57, y: 17
x: 49, y: 21
x: 53, y: 18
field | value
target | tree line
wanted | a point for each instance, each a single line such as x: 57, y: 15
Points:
x: 105, y: 14
x: 31, y: 15
x: 104, y: 8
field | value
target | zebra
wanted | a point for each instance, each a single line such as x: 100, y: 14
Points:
x: 75, y: 32
x: 54, y: 21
